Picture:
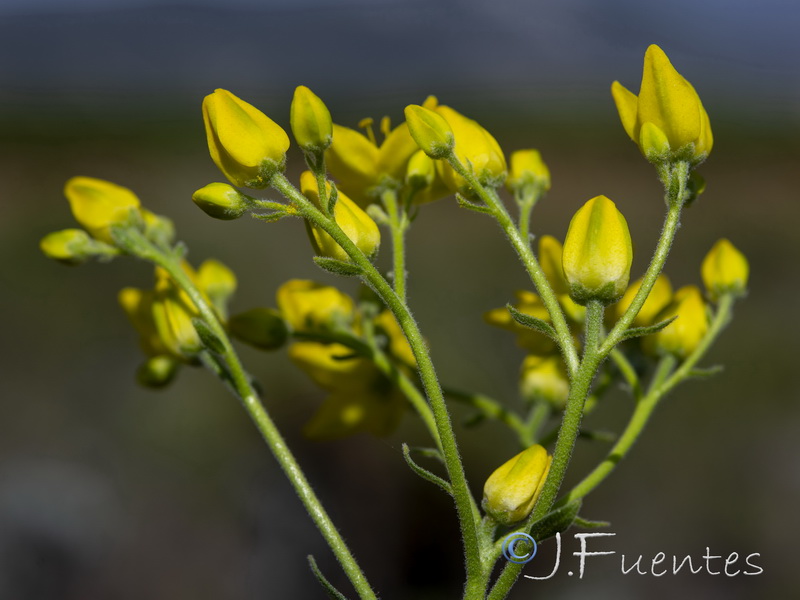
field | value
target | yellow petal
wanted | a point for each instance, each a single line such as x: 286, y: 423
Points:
x: 627, y: 106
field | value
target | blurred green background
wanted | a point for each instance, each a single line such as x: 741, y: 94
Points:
x: 108, y: 490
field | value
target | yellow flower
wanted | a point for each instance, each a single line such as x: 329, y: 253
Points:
x: 361, y: 399
x: 359, y: 165
x: 725, y: 270
x: 660, y: 296
x: 667, y: 119
x: 138, y: 306
x: 218, y: 282
x: 356, y: 224
x: 310, y: 120
x: 597, y: 252
x: 527, y: 169
x: 173, y: 312
x: 69, y: 246
x: 424, y: 181
x: 512, y: 490
x: 475, y: 148
x: 544, y: 378
x: 246, y: 145
x: 685, y: 333
x: 98, y: 204
x: 221, y: 201
x: 309, y: 306
x: 550, y: 258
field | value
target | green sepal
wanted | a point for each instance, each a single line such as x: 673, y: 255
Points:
x: 634, y: 332
x: 556, y: 521
x: 532, y: 322
x: 272, y: 217
x: 332, y: 592
x: 469, y: 205
x: 339, y: 267
x: 587, y: 524
x: 210, y: 339
x: 333, y: 197
x: 424, y: 473
x: 705, y: 373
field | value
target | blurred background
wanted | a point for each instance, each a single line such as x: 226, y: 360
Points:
x: 108, y: 490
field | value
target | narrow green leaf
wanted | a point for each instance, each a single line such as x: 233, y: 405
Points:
x: 424, y: 473
x: 556, y: 522
x: 272, y: 217
x: 650, y: 329
x: 332, y: 592
x: 704, y: 373
x: 587, y: 524
x: 532, y: 322
x: 339, y: 267
x: 469, y: 205
x: 333, y: 198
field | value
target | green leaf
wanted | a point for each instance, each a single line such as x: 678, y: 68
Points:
x: 705, y: 373
x: 469, y: 205
x: 272, y: 217
x: 587, y: 524
x: 339, y: 267
x: 424, y: 473
x: 208, y: 337
x: 532, y: 322
x: 332, y: 592
x: 556, y: 522
x: 649, y: 330
x: 333, y: 198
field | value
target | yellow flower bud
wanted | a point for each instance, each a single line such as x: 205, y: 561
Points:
x: 246, y: 145
x: 221, y: 201
x: 309, y: 306
x: 138, y: 306
x: 97, y: 205
x: 597, y: 253
x: 69, y: 246
x: 660, y: 296
x: 685, y: 333
x: 173, y: 312
x: 218, y: 282
x: 356, y: 224
x: 310, y: 120
x: 667, y: 120
x: 475, y: 148
x: 725, y: 270
x: 421, y: 171
x: 430, y: 131
x: 511, y: 491
x: 528, y: 169
x: 263, y: 328
x: 353, y: 160
x: 544, y: 378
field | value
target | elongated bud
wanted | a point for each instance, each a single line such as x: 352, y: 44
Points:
x: 98, y: 204
x: 309, y: 306
x: 431, y: 132
x: 667, y: 119
x: 725, y: 270
x: 597, y: 253
x: 221, y: 201
x: 311, y: 121
x: 660, y: 296
x: 527, y: 169
x: 73, y: 246
x: 511, y: 491
x: 263, y: 328
x: 246, y: 145
x: 356, y: 224
x: 543, y: 378
x: 685, y: 333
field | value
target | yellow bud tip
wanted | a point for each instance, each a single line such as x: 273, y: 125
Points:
x: 725, y: 270
x: 221, y: 201
x: 430, y: 131
x: 69, y: 246
x: 311, y: 121
x: 528, y: 169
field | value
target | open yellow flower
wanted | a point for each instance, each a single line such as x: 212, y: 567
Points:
x: 98, y: 204
x: 308, y: 306
x: 667, y: 119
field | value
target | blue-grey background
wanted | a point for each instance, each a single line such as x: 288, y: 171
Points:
x: 111, y: 491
